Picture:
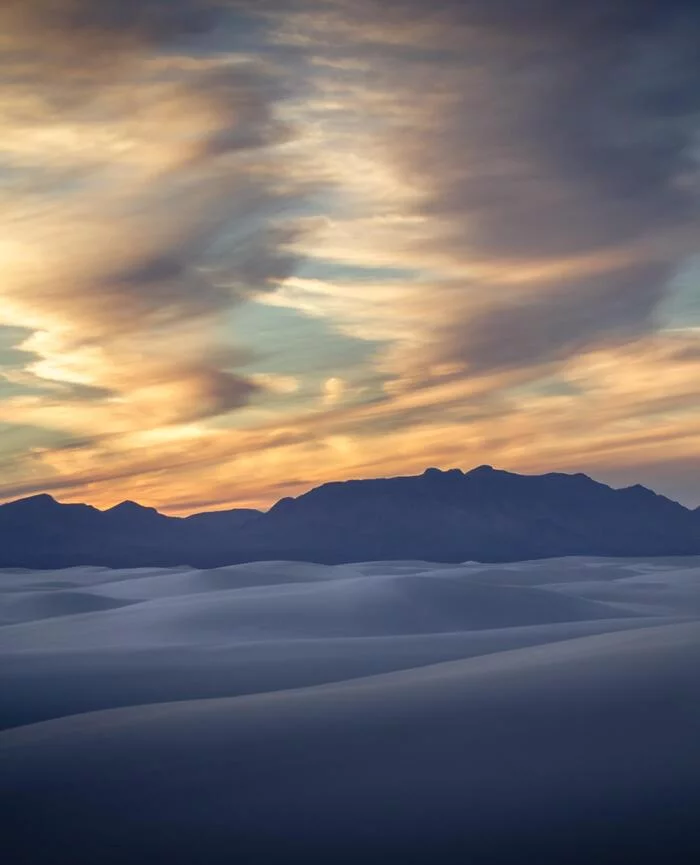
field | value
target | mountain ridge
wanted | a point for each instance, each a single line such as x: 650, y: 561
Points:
x: 484, y: 514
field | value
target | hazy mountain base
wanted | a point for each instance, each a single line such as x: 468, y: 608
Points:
x: 377, y: 712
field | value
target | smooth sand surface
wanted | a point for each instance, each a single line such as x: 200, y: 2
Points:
x: 379, y: 712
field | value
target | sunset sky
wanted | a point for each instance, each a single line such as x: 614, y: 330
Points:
x: 249, y: 246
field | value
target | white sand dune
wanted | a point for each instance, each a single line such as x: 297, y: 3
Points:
x: 46, y: 604
x: 407, y: 712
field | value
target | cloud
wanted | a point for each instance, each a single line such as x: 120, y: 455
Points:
x: 148, y: 196
x: 99, y: 28
x: 192, y: 394
x: 551, y: 324
x: 639, y: 404
x: 275, y: 383
x: 541, y: 161
x: 590, y: 115
x: 333, y: 390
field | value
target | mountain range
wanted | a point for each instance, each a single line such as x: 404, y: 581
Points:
x: 444, y: 516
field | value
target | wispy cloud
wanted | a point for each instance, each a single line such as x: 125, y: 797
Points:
x: 519, y: 139
x: 146, y: 197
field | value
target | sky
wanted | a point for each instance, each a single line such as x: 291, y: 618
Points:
x: 250, y: 246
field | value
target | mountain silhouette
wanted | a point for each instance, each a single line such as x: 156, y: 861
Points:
x: 444, y: 516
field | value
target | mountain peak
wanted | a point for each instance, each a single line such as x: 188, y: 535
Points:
x: 639, y: 488
x: 38, y: 501
x: 482, y: 470
x: 434, y: 473
x: 129, y: 507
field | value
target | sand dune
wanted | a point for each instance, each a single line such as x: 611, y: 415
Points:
x: 47, y: 604
x: 276, y: 712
